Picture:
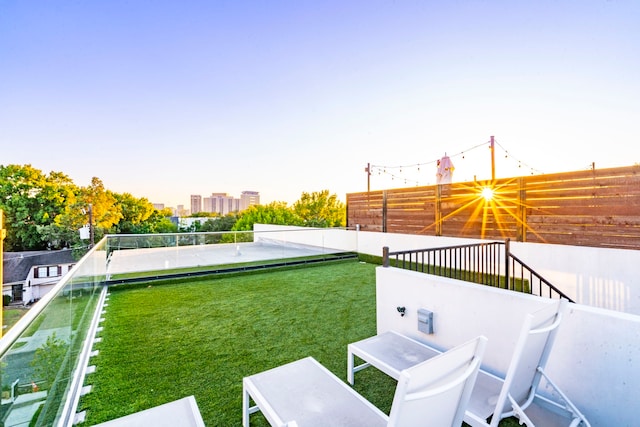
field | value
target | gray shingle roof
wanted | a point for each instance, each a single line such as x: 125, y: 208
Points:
x: 16, y: 265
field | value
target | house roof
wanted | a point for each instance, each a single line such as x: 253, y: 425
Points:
x: 16, y: 265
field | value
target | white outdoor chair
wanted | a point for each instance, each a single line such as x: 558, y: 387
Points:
x: 436, y: 391
x: 305, y: 394
x: 515, y: 395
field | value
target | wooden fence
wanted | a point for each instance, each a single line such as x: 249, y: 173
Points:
x: 599, y: 207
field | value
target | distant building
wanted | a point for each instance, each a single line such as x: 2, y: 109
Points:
x: 222, y: 203
x: 249, y: 198
x: 181, y: 211
x: 158, y: 206
x: 196, y: 203
x: 28, y: 276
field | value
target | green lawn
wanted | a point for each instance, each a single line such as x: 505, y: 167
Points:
x: 161, y: 343
x: 10, y: 315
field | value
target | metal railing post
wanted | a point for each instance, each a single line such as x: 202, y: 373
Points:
x: 385, y: 256
x: 507, y: 257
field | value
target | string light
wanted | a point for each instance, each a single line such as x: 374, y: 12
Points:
x: 403, y: 169
x: 520, y: 162
x: 386, y: 169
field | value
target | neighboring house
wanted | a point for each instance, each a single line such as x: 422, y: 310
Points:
x: 28, y: 276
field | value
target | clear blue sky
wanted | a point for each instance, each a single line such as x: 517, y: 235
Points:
x: 164, y: 99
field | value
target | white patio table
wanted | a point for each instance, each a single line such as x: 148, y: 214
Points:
x: 390, y: 352
x: 306, y: 394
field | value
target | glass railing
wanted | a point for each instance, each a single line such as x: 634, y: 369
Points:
x: 41, y: 352
x: 43, y: 357
x: 135, y: 256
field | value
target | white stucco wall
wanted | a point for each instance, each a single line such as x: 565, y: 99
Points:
x: 598, y: 277
x: 595, y: 359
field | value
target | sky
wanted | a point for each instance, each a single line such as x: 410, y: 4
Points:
x: 164, y: 99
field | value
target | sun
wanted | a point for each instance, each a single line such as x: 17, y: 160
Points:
x: 487, y: 193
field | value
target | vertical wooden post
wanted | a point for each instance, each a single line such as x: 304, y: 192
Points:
x: 368, y: 171
x: 385, y: 256
x: 493, y: 161
x: 521, y: 231
x: 438, y: 210
x: 384, y: 211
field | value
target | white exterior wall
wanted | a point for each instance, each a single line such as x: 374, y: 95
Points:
x: 330, y: 238
x: 35, y: 288
x: 598, y: 277
x: 596, y: 356
x: 595, y: 359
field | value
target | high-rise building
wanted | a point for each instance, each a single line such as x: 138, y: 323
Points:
x: 208, y: 204
x: 223, y: 204
x: 249, y: 198
x: 181, y: 211
x: 196, y: 203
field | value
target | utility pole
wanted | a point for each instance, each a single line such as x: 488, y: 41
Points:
x: 368, y: 171
x: 91, y: 235
x: 493, y: 161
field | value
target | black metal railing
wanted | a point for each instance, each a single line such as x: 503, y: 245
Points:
x: 489, y: 263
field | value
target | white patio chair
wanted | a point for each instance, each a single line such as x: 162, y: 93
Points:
x: 305, y: 394
x: 515, y: 395
x: 436, y: 391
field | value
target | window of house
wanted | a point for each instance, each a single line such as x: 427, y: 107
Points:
x: 47, y: 271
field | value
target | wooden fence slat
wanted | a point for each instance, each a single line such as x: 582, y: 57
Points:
x: 592, y: 207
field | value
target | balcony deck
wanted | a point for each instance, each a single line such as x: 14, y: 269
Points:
x: 161, y: 343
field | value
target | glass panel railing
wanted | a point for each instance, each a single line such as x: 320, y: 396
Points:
x: 40, y: 353
x: 44, y: 355
x: 138, y: 256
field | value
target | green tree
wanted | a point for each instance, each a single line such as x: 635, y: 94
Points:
x: 135, y: 211
x: 203, y: 215
x: 48, y: 358
x: 32, y: 201
x: 320, y: 209
x: 106, y: 209
x: 223, y: 223
x: 273, y: 213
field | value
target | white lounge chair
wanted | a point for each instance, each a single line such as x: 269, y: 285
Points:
x: 305, y: 394
x: 515, y: 394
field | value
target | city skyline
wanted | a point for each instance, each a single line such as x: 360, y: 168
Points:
x: 296, y: 97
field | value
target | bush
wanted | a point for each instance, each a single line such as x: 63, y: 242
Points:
x: 6, y: 300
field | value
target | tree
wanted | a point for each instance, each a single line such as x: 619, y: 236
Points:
x: 223, y: 223
x: 319, y: 209
x: 273, y: 213
x: 32, y: 202
x: 203, y: 215
x: 48, y: 358
x: 134, y: 213
x: 106, y: 210
x: 159, y: 222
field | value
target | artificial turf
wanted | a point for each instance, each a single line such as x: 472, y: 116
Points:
x: 163, y: 342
